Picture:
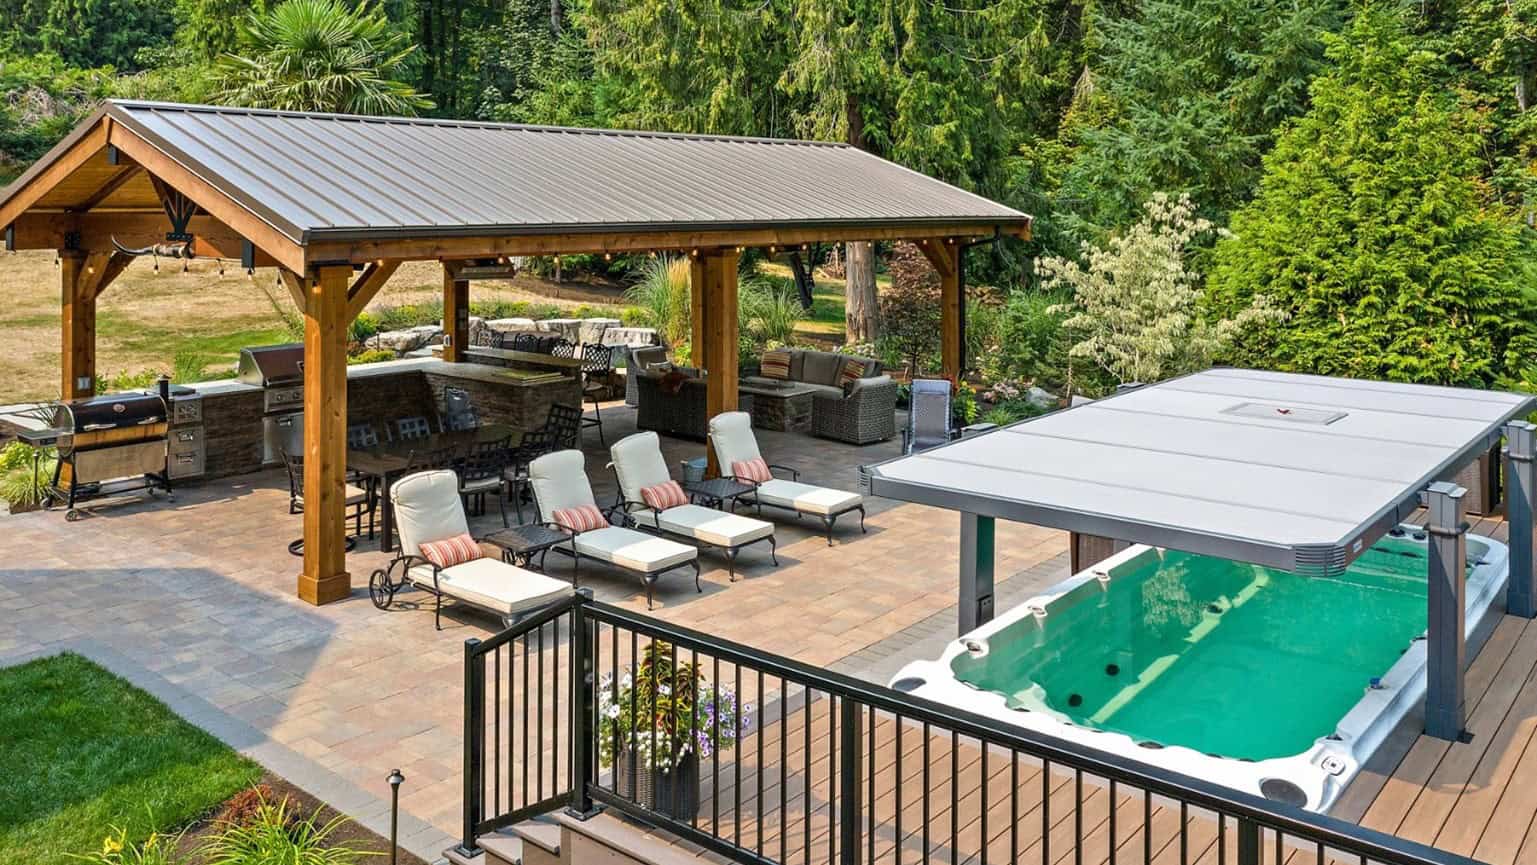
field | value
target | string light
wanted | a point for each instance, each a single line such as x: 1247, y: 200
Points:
x: 772, y: 249
x: 608, y: 256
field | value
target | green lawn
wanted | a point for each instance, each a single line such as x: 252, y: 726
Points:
x: 82, y: 750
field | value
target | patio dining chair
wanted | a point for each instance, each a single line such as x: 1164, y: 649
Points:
x: 929, y: 421
x: 413, y: 427
x: 597, y: 364
x: 440, y: 557
x: 564, y: 425
x: 357, y: 503
x: 480, y: 475
x: 563, y: 348
x: 525, y: 341
x: 362, y: 436
x: 534, y: 444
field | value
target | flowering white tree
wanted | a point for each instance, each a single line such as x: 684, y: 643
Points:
x: 1135, y: 300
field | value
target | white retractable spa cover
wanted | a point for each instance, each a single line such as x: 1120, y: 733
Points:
x: 1291, y: 471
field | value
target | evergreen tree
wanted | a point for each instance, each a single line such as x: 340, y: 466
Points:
x: 1183, y: 98
x: 1373, y: 231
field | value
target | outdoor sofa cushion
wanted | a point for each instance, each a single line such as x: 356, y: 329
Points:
x: 822, y: 367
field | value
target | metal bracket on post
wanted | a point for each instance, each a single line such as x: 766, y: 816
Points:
x: 583, y: 709
x: 1447, y: 597
x: 1520, y: 489
x: 976, y: 601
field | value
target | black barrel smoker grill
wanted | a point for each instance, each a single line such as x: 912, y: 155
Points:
x: 112, y: 444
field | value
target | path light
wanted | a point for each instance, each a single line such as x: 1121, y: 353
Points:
x: 395, y: 780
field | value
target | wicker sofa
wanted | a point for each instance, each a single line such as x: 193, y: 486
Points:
x: 862, y: 413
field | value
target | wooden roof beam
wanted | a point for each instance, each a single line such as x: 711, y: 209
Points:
x: 125, y: 174
x: 411, y: 249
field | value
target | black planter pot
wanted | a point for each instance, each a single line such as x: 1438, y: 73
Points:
x: 674, y: 793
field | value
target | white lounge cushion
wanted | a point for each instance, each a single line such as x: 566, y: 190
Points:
x: 628, y: 548
x: 427, y: 508
x: 638, y: 463
x: 708, y: 525
x: 806, y: 498
x: 732, y: 437
x: 559, y: 481
x: 494, y: 585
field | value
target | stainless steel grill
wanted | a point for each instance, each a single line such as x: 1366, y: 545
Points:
x: 279, y: 371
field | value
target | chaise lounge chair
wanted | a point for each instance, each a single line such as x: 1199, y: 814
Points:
x: 653, y: 501
x: 564, y: 499
x: 430, y: 517
x: 736, y: 451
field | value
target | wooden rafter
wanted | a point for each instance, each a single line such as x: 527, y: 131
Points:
x: 284, y: 250
x: 125, y: 174
x: 78, y: 154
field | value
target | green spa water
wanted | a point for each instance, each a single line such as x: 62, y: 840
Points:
x: 1229, y: 659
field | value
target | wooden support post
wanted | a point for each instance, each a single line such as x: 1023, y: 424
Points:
x: 715, y: 273
x: 946, y: 259
x: 456, y: 314
x: 325, y: 578
x: 77, y: 350
x: 699, y: 306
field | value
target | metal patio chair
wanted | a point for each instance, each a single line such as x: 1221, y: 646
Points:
x: 928, y: 416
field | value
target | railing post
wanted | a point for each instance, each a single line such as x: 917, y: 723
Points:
x: 1248, y: 842
x: 583, y: 706
x: 474, y: 745
x: 848, y: 781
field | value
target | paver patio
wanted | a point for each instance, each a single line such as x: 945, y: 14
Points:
x: 200, y: 592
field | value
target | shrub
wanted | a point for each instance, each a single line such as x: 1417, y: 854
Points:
x: 363, y: 327
x: 910, y: 329
x: 373, y: 355
x: 274, y: 834
x: 633, y: 316
x: 408, y: 315
x: 662, y: 296
x: 1135, y: 303
x: 117, y: 849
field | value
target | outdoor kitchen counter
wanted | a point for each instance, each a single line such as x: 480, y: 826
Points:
x: 380, y: 393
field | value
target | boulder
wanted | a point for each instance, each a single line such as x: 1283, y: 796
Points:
x: 634, y: 337
x: 591, y: 330
x: 512, y: 325
x: 569, y: 329
x: 1041, y: 398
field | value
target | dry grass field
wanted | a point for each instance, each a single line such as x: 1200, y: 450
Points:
x: 146, y: 317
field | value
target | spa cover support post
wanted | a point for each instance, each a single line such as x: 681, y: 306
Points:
x: 976, y: 607
x: 1520, y: 446
x: 1445, y: 648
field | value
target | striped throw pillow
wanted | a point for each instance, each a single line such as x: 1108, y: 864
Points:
x: 454, y: 551
x: 755, y: 470
x: 662, y: 496
x: 853, y: 370
x: 776, y: 364
x: 582, y: 518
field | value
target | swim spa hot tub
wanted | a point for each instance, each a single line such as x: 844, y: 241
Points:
x: 1265, y: 681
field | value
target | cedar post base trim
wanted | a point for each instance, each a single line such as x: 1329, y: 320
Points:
x: 324, y: 590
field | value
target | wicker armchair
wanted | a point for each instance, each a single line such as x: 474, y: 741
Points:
x: 867, y: 413
x: 674, y: 412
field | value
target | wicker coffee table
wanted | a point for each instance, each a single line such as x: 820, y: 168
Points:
x: 786, y: 407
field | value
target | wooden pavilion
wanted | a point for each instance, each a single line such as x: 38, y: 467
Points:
x: 337, y: 203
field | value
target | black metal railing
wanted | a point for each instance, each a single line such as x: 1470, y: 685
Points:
x: 789, y: 764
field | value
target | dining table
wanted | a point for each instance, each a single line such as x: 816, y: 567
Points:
x: 382, y: 464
